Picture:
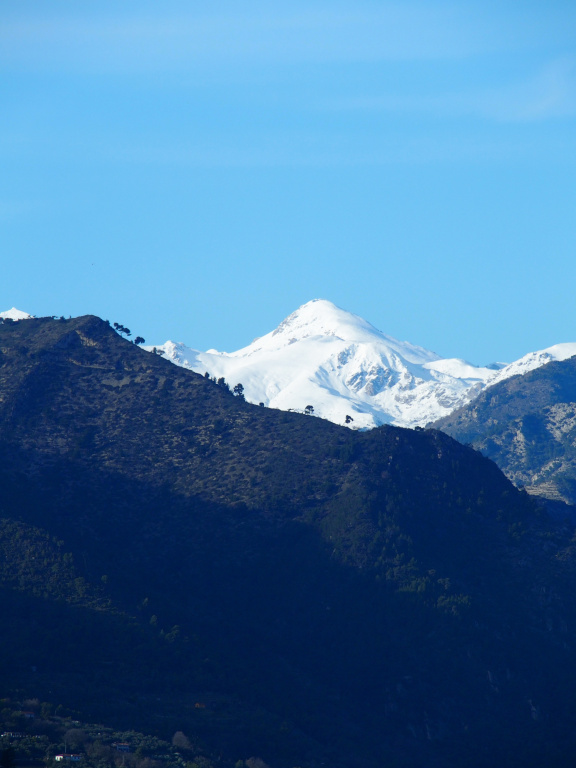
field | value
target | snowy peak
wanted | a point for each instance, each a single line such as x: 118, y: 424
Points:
x: 15, y: 314
x: 321, y: 319
x: 348, y: 370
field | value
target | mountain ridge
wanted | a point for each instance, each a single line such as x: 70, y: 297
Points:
x: 527, y: 425
x: 350, y: 372
x: 352, y: 598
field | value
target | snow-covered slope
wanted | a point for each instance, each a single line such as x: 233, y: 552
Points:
x: 341, y: 365
x: 15, y: 314
x: 347, y: 370
x: 534, y: 360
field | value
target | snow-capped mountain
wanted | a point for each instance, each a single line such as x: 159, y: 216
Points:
x: 14, y: 314
x: 347, y: 370
x: 343, y: 367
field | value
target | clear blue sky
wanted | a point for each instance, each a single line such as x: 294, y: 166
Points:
x: 197, y: 170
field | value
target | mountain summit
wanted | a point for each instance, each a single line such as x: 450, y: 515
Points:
x: 344, y: 367
x: 14, y: 314
x: 333, y: 363
x: 320, y: 318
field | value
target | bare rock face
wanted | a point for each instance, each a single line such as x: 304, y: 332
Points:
x: 527, y: 425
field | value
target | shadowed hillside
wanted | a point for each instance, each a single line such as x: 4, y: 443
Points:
x: 328, y: 596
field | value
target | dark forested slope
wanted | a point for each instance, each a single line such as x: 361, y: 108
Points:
x: 326, y: 595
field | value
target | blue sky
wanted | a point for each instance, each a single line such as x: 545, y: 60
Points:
x: 197, y: 171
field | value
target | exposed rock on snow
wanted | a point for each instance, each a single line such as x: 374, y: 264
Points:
x: 341, y: 365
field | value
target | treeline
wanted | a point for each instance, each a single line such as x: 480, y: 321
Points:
x: 237, y: 390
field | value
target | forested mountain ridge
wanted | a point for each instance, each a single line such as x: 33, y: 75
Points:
x: 527, y: 425
x: 332, y: 595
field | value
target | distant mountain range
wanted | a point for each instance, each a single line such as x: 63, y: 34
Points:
x: 336, y: 362
x: 327, y: 361
x: 348, y: 371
